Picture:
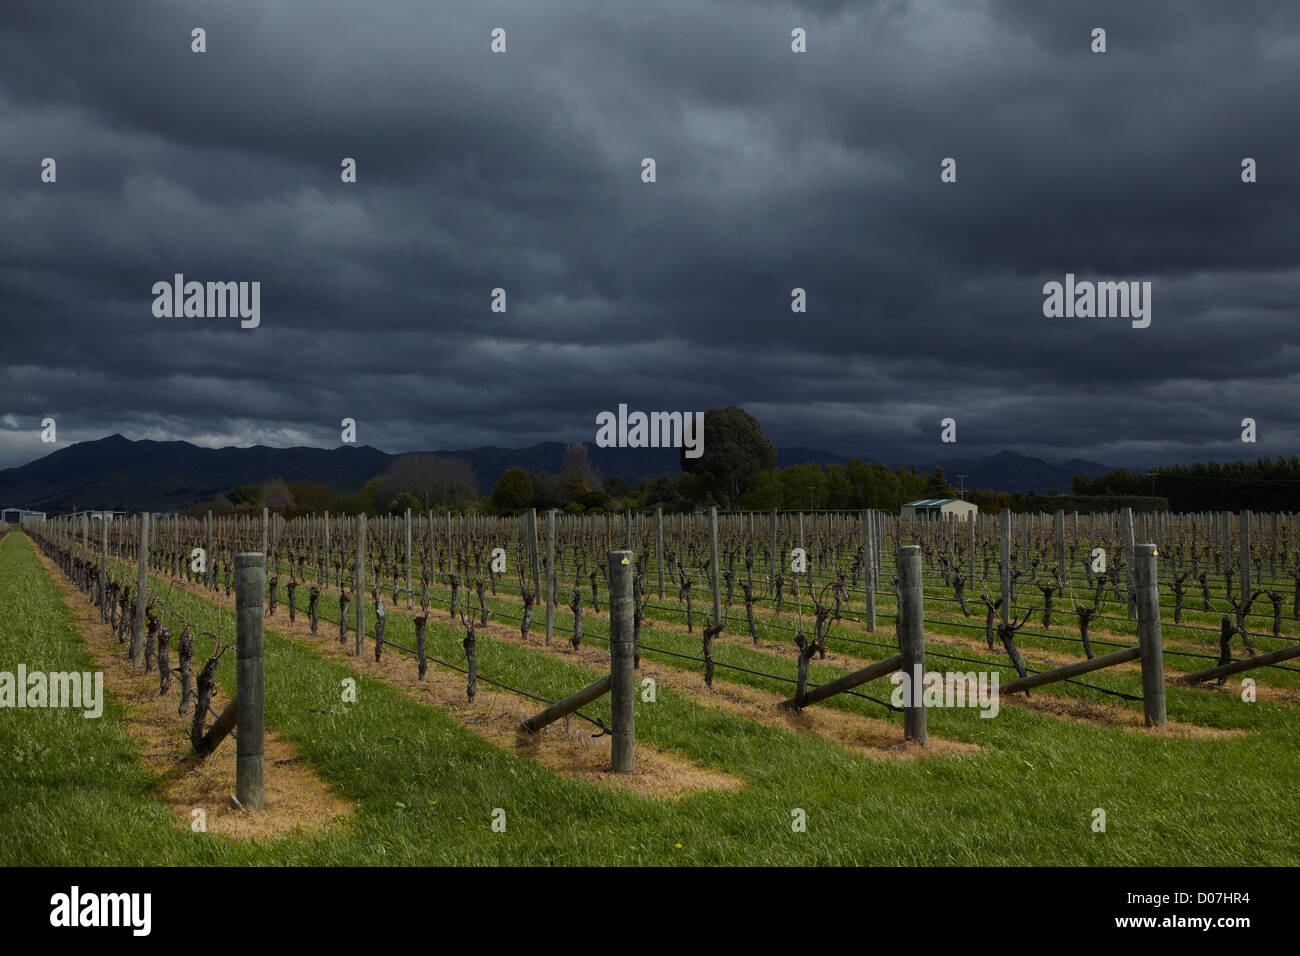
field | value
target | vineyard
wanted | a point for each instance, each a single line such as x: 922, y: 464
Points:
x: 1147, y: 666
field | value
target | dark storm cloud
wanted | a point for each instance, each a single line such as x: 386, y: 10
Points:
x: 775, y: 170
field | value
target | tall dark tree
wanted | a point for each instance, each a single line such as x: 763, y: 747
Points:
x: 735, y: 451
x: 936, y: 486
x: 245, y: 495
x: 513, y: 491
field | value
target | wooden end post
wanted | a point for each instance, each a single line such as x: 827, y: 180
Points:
x: 250, y: 585
x: 622, y: 695
x: 911, y: 640
x: 1153, y: 664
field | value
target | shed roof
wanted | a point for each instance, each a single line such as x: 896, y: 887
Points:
x: 933, y: 502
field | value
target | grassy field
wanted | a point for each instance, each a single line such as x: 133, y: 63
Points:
x: 424, y: 787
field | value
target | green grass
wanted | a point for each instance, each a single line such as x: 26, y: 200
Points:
x: 77, y: 797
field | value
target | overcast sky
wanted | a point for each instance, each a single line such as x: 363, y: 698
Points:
x: 775, y: 170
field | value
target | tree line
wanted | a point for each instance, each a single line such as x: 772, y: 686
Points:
x: 1262, y: 485
x: 738, y: 471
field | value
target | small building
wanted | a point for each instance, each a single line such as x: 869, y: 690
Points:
x: 19, y: 515
x: 953, y: 509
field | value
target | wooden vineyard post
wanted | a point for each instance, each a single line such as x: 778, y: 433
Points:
x: 868, y: 569
x: 408, y: 560
x: 550, y: 574
x: 1153, y: 666
x: 1005, y: 573
x: 202, y: 578
x: 141, y: 594
x: 771, y: 554
x: 1244, y: 532
x: 528, y: 537
x: 1273, y: 547
x: 250, y: 586
x: 950, y: 532
x: 359, y: 584
x: 911, y: 641
x: 659, y: 549
x: 713, y: 566
x: 265, y: 520
x: 327, y: 549
x: 1130, y: 556
x: 970, y: 549
x: 1059, y: 530
x: 619, y: 683
x: 622, y: 693
x: 534, y: 557
x: 1092, y: 534
x: 103, y: 560
x: 451, y: 550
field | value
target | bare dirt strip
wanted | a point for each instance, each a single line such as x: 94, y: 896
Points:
x: 296, y: 799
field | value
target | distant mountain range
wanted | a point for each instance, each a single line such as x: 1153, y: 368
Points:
x: 1010, y: 471
x: 121, y: 474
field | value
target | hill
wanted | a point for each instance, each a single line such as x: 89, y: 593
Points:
x: 126, y: 475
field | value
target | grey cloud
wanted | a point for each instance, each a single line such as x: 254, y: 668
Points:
x: 775, y: 171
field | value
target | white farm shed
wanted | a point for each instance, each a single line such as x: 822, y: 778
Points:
x: 939, y: 508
